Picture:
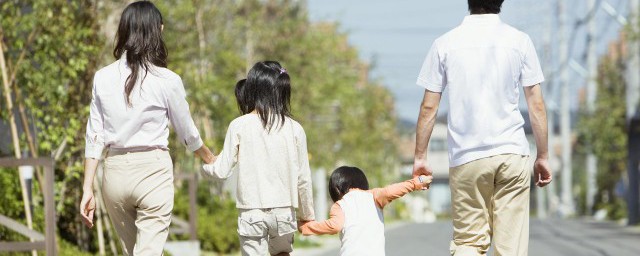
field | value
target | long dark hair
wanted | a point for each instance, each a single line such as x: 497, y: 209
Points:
x: 268, y: 92
x: 139, y: 36
x: 345, y: 178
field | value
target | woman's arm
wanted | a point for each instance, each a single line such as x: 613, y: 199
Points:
x: 94, y: 145
x: 384, y: 196
x: 180, y: 117
x: 328, y: 227
x: 94, y: 137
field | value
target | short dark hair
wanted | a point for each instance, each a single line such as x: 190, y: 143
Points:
x: 241, y: 97
x: 485, y: 6
x: 344, y: 178
x: 268, y: 92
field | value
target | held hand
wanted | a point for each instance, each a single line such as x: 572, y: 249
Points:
x: 425, y: 181
x: 302, y: 223
x: 87, y: 208
x: 205, y: 154
x: 209, y: 159
x: 420, y: 168
x: 542, y: 172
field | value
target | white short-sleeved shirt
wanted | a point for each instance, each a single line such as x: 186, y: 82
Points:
x: 483, y: 62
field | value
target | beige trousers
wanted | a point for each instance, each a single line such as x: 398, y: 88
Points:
x: 490, y: 199
x: 266, y: 231
x: 138, y: 194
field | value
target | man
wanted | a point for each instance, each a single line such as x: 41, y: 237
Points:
x: 484, y: 62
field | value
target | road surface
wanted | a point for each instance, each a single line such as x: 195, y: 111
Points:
x: 547, y: 238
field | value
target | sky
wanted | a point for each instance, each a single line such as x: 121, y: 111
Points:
x: 394, y: 36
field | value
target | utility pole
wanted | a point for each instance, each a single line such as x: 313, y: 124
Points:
x: 633, y: 64
x: 567, y: 208
x: 321, y: 207
x: 592, y: 66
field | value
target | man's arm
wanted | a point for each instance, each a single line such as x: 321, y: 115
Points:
x: 538, y: 118
x: 426, y: 121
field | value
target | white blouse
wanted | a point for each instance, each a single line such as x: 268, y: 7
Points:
x: 157, y: 100
x: 273, y: 167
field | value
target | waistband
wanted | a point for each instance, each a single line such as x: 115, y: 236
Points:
x: 158, y: 153
x: 276, y: 210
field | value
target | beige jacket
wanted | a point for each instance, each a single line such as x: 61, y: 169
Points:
x: 273, y: 167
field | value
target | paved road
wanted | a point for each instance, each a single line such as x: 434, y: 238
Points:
x: 548, y: 238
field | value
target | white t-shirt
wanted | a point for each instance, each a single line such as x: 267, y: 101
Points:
x: 483, y: 62
x: 363, y: 230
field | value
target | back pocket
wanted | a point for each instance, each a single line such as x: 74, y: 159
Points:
x: 286, y: 224
x: 251, y: 226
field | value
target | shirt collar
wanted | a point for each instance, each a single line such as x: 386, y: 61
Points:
x: 481, y: 19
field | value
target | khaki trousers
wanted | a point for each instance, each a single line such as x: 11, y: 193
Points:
x: 138, y: 194
x: 490, y: 199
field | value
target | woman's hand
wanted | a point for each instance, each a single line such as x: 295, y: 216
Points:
x: 87, y: 207
x: 88, y: 202
x: 205, y: 154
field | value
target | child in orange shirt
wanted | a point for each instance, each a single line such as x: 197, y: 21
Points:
x: 357, y: 211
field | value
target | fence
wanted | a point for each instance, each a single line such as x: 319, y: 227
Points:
x: 47, y: 241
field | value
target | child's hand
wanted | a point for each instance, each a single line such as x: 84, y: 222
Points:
x: 425, y: 181
x: 302, y: 223
x: 208, y: 169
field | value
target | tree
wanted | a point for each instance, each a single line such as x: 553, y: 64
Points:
x: 606, y: 131
x: 332, y: 94
x: 50, y: 51
x: 348, y: 117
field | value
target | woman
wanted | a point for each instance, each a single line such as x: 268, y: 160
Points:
x: 134, y: 100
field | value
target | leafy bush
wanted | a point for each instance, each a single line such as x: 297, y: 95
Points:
x: 217, y: 218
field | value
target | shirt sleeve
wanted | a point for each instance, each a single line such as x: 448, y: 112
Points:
x: 180, y: 117
x: 531, y: 72
x: 222, y: 168
x: 94, y: 138
x: 305, y: 191
x: 432, y: 74
x: 384, y: 196
x: 328, y: 227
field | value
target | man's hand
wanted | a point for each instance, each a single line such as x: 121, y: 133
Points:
x: 542, y: 172
x: 420, y: 168
x: 87, y: 208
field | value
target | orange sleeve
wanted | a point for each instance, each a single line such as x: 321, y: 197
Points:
x: 383, y: 196
x: 328, y: 227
